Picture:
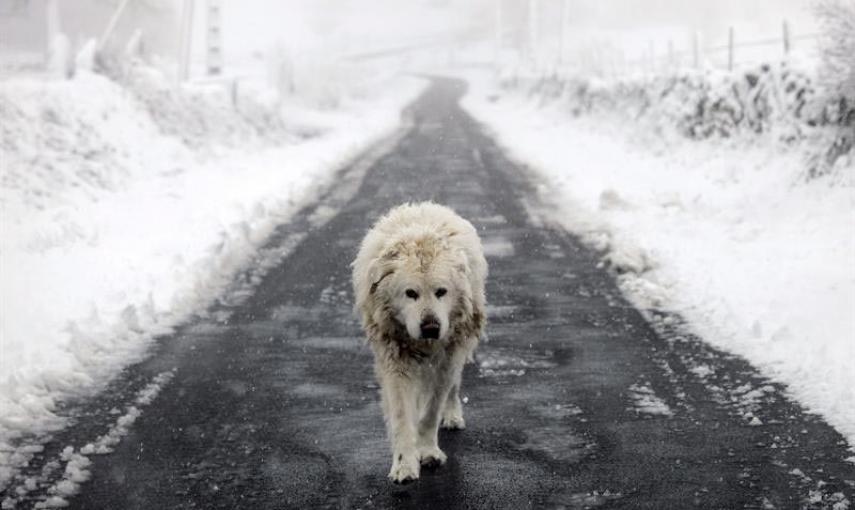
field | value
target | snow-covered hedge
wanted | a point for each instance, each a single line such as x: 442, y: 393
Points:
x: 209, y: 114
x: 768, y: 99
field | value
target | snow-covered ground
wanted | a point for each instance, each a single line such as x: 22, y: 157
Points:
x: 127, y: 208
x: 727, y: 232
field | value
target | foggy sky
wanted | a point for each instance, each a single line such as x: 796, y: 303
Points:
x: 256, y: 25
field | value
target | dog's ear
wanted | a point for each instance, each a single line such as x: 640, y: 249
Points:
x: 376, y: 282
x: 471, y: 318
x: 382, y: 267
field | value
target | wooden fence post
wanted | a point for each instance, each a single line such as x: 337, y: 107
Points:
x: 786, y: 29
x: 233, y: 93
x: 696, y: 50
x: 651, y: 56
x: 671, y: 60
x: 730, y: 49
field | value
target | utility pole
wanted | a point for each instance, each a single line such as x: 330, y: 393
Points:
x: 185, y: 41
x: 499, y: 35
x: 214, y: 38
x: 532, y: 30
x: 562, y: 28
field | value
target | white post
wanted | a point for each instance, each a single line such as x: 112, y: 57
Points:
x: 59, y: 59
x: 214, y: 38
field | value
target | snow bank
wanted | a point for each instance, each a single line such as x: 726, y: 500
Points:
x: 125, y: 209
x: 725, y: 231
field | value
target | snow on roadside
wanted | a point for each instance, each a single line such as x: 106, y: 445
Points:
x: 725, y: 232
x: 114, y: 229
x: 76, y: 463
x: 645, y: 401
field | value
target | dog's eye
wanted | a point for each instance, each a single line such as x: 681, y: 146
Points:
x: 411, y: 294
x: 441, y: 292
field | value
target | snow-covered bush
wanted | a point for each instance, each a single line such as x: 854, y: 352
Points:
x: 767, y: 100
x: 82, y: 142
x: 61, y: 139
x: 207, y: 114
x: 700, y: 105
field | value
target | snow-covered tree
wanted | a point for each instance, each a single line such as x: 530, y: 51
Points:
x: 837, y: 18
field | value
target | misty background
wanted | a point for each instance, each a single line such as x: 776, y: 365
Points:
x: 601, y: 37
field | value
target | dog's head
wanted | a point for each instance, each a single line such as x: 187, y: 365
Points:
x: 423, y: 285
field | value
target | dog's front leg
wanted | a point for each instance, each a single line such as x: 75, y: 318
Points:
x: 399, y: 411
x: 428, y: 429
x: 452, y: 413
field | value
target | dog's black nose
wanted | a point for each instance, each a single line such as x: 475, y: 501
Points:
x: 430, y: 328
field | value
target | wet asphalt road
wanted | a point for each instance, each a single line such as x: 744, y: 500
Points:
x: 577, y: 400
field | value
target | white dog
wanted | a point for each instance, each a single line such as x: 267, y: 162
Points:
x: 419, y: 285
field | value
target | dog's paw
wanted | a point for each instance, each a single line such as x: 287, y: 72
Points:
x: 432, y: 457
x: 453, y: 422
x: 405, y: 468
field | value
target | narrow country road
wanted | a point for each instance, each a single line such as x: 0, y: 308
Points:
x: 575, y: 401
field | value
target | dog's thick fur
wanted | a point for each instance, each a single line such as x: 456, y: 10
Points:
x: 419, y: 286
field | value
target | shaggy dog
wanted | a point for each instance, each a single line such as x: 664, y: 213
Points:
x: 419, y: 286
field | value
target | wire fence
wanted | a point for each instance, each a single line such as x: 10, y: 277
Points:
x: 734, y: 53
x: 612, y: 62
x: 541, y: 35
